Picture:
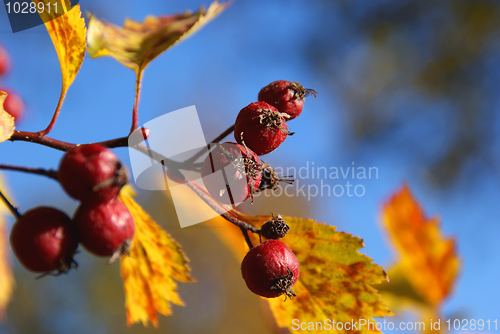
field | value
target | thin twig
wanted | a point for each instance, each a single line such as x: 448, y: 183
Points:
x: 247, y: 238
x: 216, y: 140
x: 39, y: 171
x: 11, y: 207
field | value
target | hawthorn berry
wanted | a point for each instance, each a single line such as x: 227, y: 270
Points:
x: 261, y: 127
x: 44, y: 239
x: 92, y: 173
x: 106, y: 228
x: 231, y: 173
x: 270, y: 269
x: 4, y: 61
x: 288, y: 97
x: 13, y: 104
x: 275, y: 228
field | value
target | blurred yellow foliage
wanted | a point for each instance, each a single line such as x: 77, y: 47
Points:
x: 428, y: 259
x: 7, y: 281
x: 6, y: 120
x: 149, y: 272
x: 136, y: 44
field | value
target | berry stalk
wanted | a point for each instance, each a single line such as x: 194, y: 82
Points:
x: 223, y: 135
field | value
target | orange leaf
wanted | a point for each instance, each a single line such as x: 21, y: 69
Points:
x: 136, y: 44
x: 7, y: 281
x: 335, y: 279
x: 6, y: 120
x: 68, y: 36
x: 428, y: 260
x: 149, y: 273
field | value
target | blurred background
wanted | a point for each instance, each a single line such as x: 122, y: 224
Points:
x: 410, y: 87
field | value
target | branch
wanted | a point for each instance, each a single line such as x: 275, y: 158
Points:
x: 35, y: 137
x: 206, y: 198
x: 39, y: 171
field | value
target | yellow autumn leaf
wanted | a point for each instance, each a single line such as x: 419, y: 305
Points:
x: 136, y: 44
x: 335, y: 280
x: 152, y: 268
x: 7, y: 281
x: 6, y: 120
x: 428, y: 259
x: 68, y: 35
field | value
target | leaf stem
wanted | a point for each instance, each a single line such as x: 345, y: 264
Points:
x: 135, y: 114
x: 56, y: 113
x: 11, y: 207
x: 39, y: 171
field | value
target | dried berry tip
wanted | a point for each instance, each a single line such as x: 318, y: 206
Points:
x: 270, y: 178
x: 301, y: 92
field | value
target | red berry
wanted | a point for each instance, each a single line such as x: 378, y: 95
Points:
x: 231, y: 173
x: 4, y: 61
x: 275, y: 228
x: 44, y: 239
x: 92, y: 173
x: 261, y: 127
x: 288, y: 97
x: 13, y: 104
x: 104, y: 228
x: 270, y: 269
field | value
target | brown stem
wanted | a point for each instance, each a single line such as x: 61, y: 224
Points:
x: 39, y: 171
x: 11, y: 207
x: 216, y: 140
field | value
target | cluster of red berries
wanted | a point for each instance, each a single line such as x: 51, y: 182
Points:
x: 45, y: 239
x: 232, y: 173
x: 259, y: 129
x: 13, y: 104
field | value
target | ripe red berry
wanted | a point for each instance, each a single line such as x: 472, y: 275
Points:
x: 13, y: 104
x: 270, y: 269
x: 44, y: 239
x: 231, y: 173
x: 261, y: 127
x: 104, y: 228
x: 4, y: 61
x: 288, y: 97
x: 92, y: 173
x: 274, y: 228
